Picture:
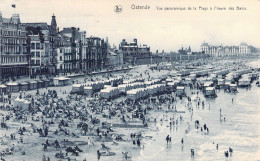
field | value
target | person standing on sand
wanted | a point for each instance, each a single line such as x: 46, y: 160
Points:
x: 167, y: 139
x: 43, y: 158
x: 98, y: 155
x: 138, y: 142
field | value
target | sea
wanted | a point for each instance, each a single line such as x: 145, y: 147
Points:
x: 240, y: 130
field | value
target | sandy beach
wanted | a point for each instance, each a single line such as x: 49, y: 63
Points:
x: 231, y: 119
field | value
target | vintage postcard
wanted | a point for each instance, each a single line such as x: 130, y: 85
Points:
x: 141, y: 80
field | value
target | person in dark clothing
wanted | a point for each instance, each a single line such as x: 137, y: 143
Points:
x: 230, y: 151
x: 167, y: 139
x: 98, y: 155
x: 133, y: 142
x: 98, y: 131
x: 138, y: 142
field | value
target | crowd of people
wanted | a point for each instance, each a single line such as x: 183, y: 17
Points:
x: 55, y: 117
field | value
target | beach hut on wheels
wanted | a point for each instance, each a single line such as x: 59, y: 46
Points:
x: 227, y: 86
x: 220, y: 83
x: 32, y: 85
x: 109, y: 93
x: 170, y: 87
x: 77, y: 88
x: 24, y: 86
x: 180, y: 91
x: 88, y: 91
x: 3, y: 89
x: 131, y: 94
x: 46, y: 82
x: 40, y: 84
x: 210, y: 92
x: 244, y: 82
x: 233, y: 87
x: 61, y: 81
x: 12, y: 87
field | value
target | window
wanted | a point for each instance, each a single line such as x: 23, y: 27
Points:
x: 33, y: 54
x: 38, y: 46
x: 60, y: 58
x: 37, y: 62
x: 32, y: 45
x: 38, y: 54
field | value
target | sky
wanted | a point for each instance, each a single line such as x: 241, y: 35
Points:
x: 161, y: 30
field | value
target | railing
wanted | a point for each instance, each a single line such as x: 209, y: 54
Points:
x: 12, y: 63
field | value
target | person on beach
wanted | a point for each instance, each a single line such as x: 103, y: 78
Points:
x: 192, y: 153
x: 217, y: 146
x: 226, y: 154
x: 138, y: 142
x: 98, y: 155
x: 43, y: 158
x: 230, y: 151
x: 167, y: 139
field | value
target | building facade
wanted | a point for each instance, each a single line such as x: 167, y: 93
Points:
x: 41, y: 41
x: 69, y: 50
x: 95, y: 54
x: 38, y: 39
x: 14, y: 54
x: 115, y: 58
x: 131, y: 51
x: 242, y: 49
x: 40, y: 49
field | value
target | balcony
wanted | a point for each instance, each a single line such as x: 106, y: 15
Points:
x: 14, y: 64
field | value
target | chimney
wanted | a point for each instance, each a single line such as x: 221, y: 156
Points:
x: 16, y: 18
x: 135, y: 40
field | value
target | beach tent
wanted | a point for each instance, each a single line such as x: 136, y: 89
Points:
x: 22, y: 103
x: 26, y: 105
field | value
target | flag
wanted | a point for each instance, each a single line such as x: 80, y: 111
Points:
x: 13, y: 5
